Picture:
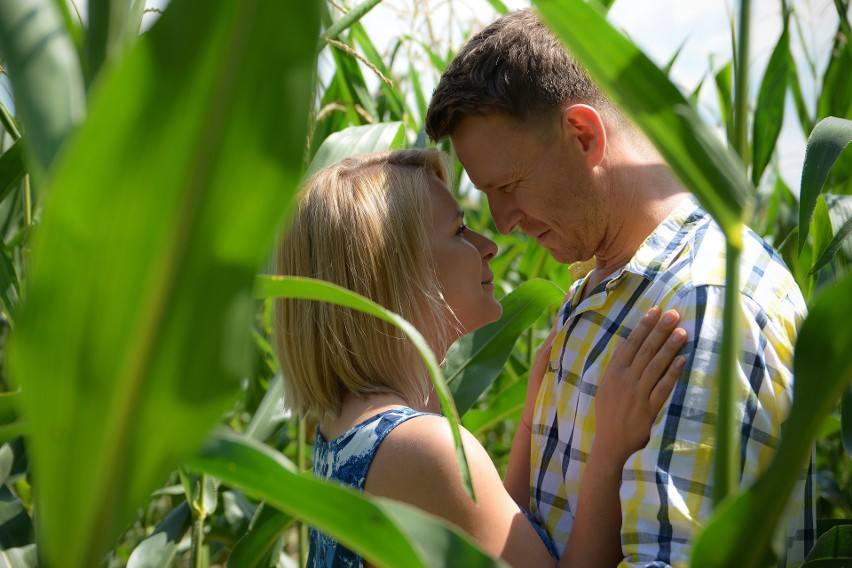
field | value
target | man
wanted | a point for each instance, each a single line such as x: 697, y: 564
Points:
x: 556, y: 159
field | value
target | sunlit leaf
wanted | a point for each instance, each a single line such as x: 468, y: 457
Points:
x: 23, y: 557
x: 833, y: 246
x: 357, y: 140
x: 142, y: 265
x: 384, y: 532
x: 823, y: 371
x: 349, y: 18
x: 828, y: 139
x: 724, y: 91
x: 159, y: 548
x: 769, y: 110
x: 702, y: 161
x: 475, y: 360
x: 821, y: 231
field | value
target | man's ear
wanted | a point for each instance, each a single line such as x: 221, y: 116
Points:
x: 583, y: 123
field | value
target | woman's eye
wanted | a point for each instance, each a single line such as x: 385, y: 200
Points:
x: 462, y: 228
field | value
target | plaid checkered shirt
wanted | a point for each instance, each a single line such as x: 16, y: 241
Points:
x: 667, y: 487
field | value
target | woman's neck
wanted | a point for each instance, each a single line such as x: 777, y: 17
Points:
x: 355, y: 410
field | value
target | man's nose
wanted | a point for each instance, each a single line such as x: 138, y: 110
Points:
x: 505, y: 213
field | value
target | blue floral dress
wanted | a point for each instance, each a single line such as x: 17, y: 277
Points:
x: 347, y: 459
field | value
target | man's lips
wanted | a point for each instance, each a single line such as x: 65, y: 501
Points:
x: 542, y: 236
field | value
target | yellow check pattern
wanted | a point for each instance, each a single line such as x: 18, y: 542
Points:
x: 667, y: 487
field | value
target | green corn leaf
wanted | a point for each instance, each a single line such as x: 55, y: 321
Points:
x: 113, y: 25
x: 7, y: 459
x: 159, y: 548
x: 828, y: 139
x: 769, y: 110
x: 832, y: 550
x: 499, y: 7
x: 352, y: 16
x: 9, y: 122
x: 354, y: 86
x: 255, y: 547
x: 823, y: 371
x: 505, y: 405
x: 23, y: 557
x: 704, y: 164
x: 802, y: 112
x: 46, y: 75
x: 11, y: 423
x: 835, y: 96
x: 12, y: 168
x: 724, y: 91
x: 10, y: 287
x: 357, y: 140
x: 384, y: 532
x: 419, y: 97
x: 311, y: 289
x: 667, y: 68
x: 822, y: 231
x: 16, y: 527
x: 846, y: 421
x: 270, y: 413
x: 142, y: 267
x: 475, y: 360
x: 832, y: 246
x: 202, y: 494
x: 371, y: 54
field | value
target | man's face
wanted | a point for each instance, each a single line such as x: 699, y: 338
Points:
x: 537, y: 181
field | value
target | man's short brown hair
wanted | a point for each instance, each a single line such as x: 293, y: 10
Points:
x: 516, y: 67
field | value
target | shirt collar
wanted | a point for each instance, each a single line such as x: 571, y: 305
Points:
x: 665, y: 244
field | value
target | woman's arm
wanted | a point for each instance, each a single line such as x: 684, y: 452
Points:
x: 638, y: 380
x: 416, y: 464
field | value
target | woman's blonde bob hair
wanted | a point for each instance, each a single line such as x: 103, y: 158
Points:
x: 361, y: 224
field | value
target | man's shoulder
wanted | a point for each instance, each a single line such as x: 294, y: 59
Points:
x: 764, y: 277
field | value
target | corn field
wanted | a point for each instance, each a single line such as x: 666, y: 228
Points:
x: 145, y: 176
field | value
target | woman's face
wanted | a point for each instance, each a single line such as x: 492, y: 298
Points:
x: 461, y: 258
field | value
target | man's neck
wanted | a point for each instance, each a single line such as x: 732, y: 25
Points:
x: 641, y: 198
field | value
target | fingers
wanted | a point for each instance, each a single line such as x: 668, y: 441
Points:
x: 661, y: 391
x: 626, y: 351
x: 655, y: 341
x: 664, y: 363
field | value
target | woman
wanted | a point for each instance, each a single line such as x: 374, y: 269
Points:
x: 386, y: 226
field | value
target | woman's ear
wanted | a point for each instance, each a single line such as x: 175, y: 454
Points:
x: 584, y: 124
